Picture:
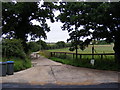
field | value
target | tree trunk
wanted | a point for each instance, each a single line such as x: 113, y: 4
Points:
x: 93, y: 52
x: 76, y: 47
x: 21, y: 36
x: 117, y: 47
x: 76, y: 52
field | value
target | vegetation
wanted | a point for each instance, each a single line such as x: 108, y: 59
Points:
x: 19, y: 64
x: 45, y: 53
x: 107, y: 63
x: 42, y: 45
x: 60, y: 44
x: 12, y: 50
x: 98, y: 49
x: 99, y: 64
x: 99, y: 20
x: 33, y: 46
x: 18, y: 17
x: 101, y: 42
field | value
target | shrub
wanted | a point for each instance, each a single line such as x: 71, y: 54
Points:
x: 12, y: 50
x: 12, y: 47
x: 43, y: 44
x: 19, y: 64
x: 33, y: 46
x: 60, y: 44
x: 45, y: 53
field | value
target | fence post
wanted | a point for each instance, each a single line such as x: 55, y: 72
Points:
x: 54, y: 53
x: 80, y: 56
x: 73, y: 55
x: 65, y: 55
x: 101, y: 56
x: 51, y: 54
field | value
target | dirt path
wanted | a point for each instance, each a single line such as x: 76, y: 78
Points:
x: 46, y: 71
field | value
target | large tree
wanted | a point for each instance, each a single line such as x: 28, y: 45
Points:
x: 73, y: 16
x: 60, y: 44
x: 99, y: 20
x: 17, y: 20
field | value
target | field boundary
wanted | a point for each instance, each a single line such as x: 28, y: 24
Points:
x: 101, y: 54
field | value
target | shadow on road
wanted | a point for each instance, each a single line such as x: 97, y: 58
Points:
x: 19, y: 86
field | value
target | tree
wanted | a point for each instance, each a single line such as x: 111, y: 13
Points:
x: 99, y: 20
x: 42, y: 44
x: 73, y: 16
x: 33, y: 46
x: 60, y: 44
x: 17, y: 19
x: 12, y: 48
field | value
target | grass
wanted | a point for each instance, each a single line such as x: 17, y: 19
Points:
x: 98, y: 49
x: 19, y: 64
x: 99, y: 64
x: 45, y: 53
x: 107, y: 63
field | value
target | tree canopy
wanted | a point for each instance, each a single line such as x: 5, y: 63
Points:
x: 98, y: 20
x: 17, y: 20
x: 60, y: 44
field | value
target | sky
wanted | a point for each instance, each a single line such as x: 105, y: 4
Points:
x: 56, y: 33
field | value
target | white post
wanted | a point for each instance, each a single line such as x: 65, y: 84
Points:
x: 92, y: 62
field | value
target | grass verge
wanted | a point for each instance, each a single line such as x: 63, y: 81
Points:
x: 99, y: 64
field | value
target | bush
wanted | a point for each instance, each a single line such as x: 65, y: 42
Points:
x: 33, y: 46
x: 43, y: 44
x: 60, y: 44
x: 45, y: 54
x: 19, y: 64
x: 12, y: 47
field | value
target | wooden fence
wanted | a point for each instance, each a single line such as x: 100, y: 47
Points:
x: 80, y: 55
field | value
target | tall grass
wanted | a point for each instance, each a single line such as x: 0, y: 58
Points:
x: 45, y: 53
x: 105, y: 64
x: 19, y: 64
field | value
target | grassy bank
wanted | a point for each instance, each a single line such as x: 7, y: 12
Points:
x: 19, y: 64
x: 107, y: 64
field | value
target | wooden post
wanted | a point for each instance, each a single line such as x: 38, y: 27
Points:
x: 73, y: 55
x: 93, y: 52
x: 101, y: 56
x: 51, y: 54
x: 80, y: 56
x: 65, y: 55
x: 76, y: 51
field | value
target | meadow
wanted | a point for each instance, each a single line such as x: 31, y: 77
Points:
x: 107, y: 63
x: 98, y: 49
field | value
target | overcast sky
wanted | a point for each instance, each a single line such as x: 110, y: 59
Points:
x: 56, y: 33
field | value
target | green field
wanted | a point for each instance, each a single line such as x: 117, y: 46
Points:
x: 105, y: 63
x: 98, y: 49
